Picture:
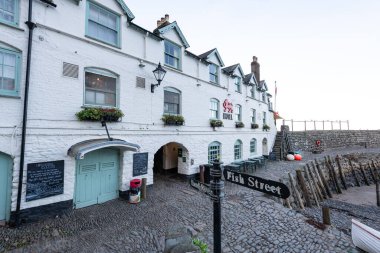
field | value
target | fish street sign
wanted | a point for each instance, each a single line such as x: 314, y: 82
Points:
x: 257, y: 183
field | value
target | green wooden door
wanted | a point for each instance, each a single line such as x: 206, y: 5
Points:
x: 96, y: 178
x: 5, y: 170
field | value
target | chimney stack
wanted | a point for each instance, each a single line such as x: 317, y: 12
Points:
x: 163, y: 20
x: 255, y: 68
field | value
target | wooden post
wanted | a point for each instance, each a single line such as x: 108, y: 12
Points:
x: 298, y: 196
x: 335, y: 176
x: 286, y: 201
x: 143, y: 188
x: 364, y: 175
x: 332, y: 174
x: 202, y: 174
x: 319, y: 180
x: 341, y: 174
x: 372, y: 172
x: 314, y: 181
x: 326, y: 215
x: 301, y: 180
x: 354, y: 173
x: 311, y: 186
x: 377, y: 181
x: 323, y: 179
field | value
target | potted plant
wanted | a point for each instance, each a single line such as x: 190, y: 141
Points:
x: 254, y: 125
x: 216, y: 123
x: 173, y: 119
x: 99, y: 114
x: 239, y: 124
x: 266, y: 127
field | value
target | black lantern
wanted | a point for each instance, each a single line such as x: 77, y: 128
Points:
x: 159, y: 74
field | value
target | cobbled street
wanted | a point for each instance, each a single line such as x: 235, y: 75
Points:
x: 251, y: 223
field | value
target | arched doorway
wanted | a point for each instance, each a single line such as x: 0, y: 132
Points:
x: 265, y: 146
x: 171, y: 158
x: 5, y: 185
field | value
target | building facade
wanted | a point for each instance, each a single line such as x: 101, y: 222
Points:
x: 90, y: 54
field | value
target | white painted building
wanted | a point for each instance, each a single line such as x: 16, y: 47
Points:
x: 91, y: 54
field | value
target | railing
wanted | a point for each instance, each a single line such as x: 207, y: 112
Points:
x: 307, y: 125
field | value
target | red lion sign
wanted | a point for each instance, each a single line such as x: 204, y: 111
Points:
x: 228, y: 107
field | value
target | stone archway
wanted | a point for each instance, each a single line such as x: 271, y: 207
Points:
x: 171, y: 158
x: 265, y: 146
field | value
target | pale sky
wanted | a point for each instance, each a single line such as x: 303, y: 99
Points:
x: 323, y: 53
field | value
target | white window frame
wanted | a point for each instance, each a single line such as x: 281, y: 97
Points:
x: 237, y: 82
x: 214, y: 101
x: 218, y: 150
x: 238, y: 113
x: 238, y: 150
x: 179, y: 58
x: 253, y: 146
x: 216, y: 74
x: 174, y: 90
x: 253, y: 116
x: 17, y: 71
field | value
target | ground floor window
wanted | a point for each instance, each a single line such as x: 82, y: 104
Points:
x: 214, y: 151
x: 253, y: 146
x: 238, y: 149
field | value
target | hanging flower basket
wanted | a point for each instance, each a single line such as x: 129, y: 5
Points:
x: 99, y: 114
x: 254, y: 125
x: 266, y: 127
x: 173, y: 120
x: 216, y: 123
x: 239, y: 124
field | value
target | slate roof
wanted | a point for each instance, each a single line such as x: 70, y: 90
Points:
x: 166, y: 26
x: 231, y: 69
x: 204, y: 55
x: 247, y: 78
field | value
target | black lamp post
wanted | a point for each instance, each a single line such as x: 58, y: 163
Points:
x: 159, y: 74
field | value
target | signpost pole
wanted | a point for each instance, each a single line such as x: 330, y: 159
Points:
x: 217, y: 187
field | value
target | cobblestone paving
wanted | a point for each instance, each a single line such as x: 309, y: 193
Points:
x: 251, y: 223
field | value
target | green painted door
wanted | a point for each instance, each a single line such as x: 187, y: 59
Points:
x: 96, y: 178
x: 5, y: 169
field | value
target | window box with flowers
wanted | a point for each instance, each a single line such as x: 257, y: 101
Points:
x: 239, y: 124
x: 173, y: 120
x: 99, y: 114
x: 254, y: 125
x: 266, y: 127
x: 216, y: 123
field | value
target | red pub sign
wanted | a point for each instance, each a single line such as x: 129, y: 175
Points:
x: 228, y: 109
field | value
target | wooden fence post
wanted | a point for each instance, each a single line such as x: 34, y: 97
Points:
x: 301, y: 180
x: 364, y: 175
x: 313, y: 180
x: 321, y: 186
x: 311, y: 186
x: 323, y: 179
x: 341, y: 174
x: 354, y: 173
x: 333, y: 174
x: 326, y: 215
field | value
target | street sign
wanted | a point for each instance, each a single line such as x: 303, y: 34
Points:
x: 201, y: 187
x: 257, y: 183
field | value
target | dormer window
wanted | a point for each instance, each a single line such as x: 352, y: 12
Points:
x: 102, y: 24
x: 213, y: 73
x: 172, y: 55
x: 237, y: 84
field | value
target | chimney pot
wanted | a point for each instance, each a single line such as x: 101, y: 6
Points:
x: 162, y: 19
x: 255, y: 68
x: 158, y: 23
x: 167, y: 17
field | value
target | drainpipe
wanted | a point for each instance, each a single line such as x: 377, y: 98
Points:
x: 31, y: 27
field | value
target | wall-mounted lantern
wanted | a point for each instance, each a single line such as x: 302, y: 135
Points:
x: 159, y: 74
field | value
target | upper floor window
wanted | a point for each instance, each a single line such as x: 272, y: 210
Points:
x: 9, y: 11
x: 10, y: 67
x: 172, y: 101
x: 238, y: 113
x: 253, y: 116
x: 214, y: 151
x: 213, y: 68
x: 102, y: 24
x: 238, y: 84
x: 263, y: 97
x: 172, y: 54
x: 264, y: 118
x: 100, y: 87
x: 214, y: 108
x: 253, y: 92
x: 252, y: 146
x: 238, y: 150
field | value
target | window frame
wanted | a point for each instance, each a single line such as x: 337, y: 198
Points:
x: 264, y: 118
x: 16, y: 15
x: 103, y: 72
x: 118, y: 17
x: 217, y: 112
x: 253, y: 140
x: 253, y: 116
x: 240, y: 150
x: 219, y: 151
x: 237, y: 84
x: 179, y: 58
x: 238, y: 116
x: 18, y: 56
x: 173, y: 90
x: 216, y: 74
x: 253, y: 92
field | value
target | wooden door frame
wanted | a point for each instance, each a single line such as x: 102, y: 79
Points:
x: 8, y: 199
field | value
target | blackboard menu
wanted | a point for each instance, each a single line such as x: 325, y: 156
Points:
x: 140, y: 164
x: 44, y: 180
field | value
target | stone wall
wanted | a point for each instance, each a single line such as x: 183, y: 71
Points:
x: 334, y: 139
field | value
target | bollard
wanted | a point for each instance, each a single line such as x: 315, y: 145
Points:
x: 326, y: 215
x: 217, y: 187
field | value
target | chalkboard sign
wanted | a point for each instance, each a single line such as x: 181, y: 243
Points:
x: 140, y: 164
x: 44, y: 180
